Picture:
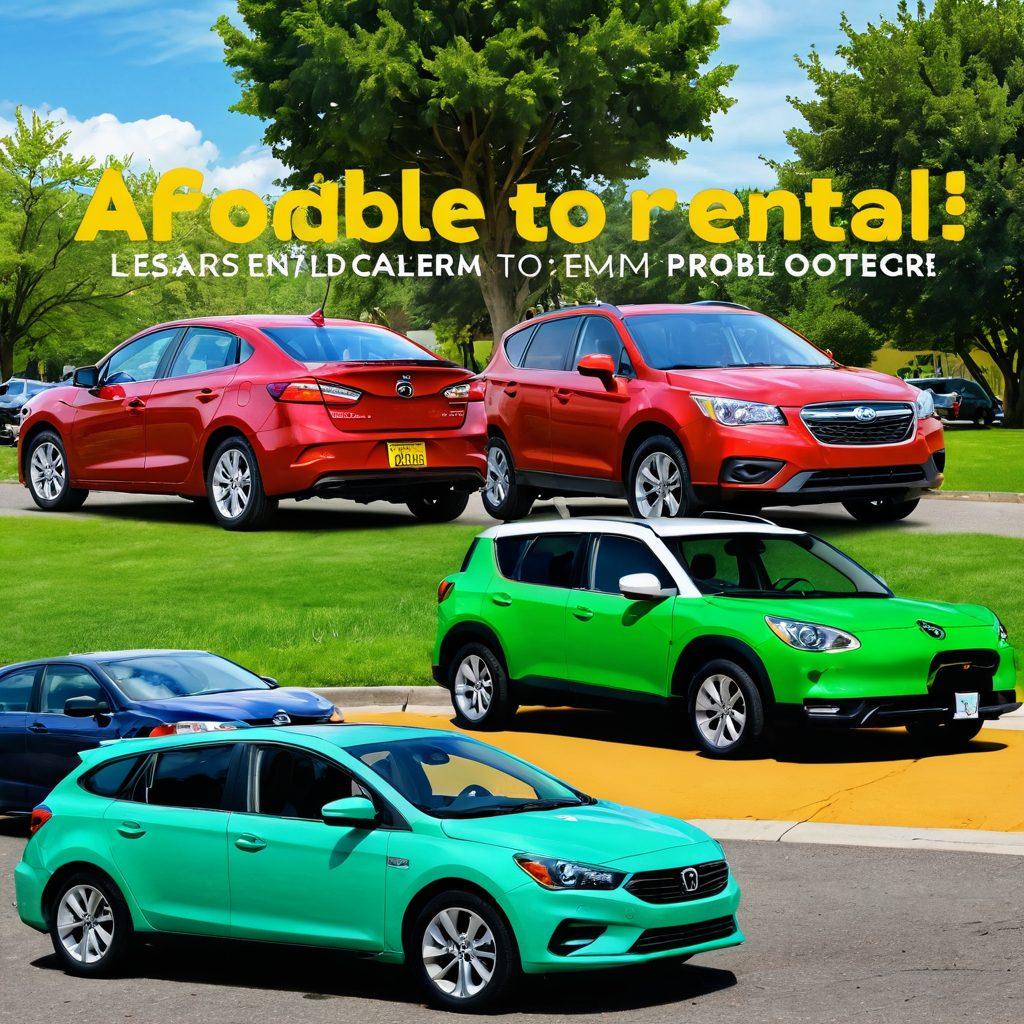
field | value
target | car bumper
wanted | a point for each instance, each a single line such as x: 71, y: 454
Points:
x: 892, y: 711
x: 29, y: 883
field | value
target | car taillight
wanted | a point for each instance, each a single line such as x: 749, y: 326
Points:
x: 40, y: 816
x: 444, y: 588
x: 313, y: 391
x: 183, y: 728
x: 467, y: 391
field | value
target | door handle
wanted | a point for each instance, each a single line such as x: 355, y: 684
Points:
x: 37, y: 727
x: 503, y: 599
x: 250, y: 843
x: 510, y: 389
x: 135, y: 405
x: 563, y: 395
x: 131, y: 830
x: 583, y: 614
x: 207, y: 395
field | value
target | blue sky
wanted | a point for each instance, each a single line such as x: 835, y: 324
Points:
x: 146, y: 77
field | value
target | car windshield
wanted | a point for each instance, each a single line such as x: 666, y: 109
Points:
x: 456, y: 777
x: 15, y: 388
x: 771, y: 565
x: 163, y: 676
x: 357, y: 344
x: 687, y: 341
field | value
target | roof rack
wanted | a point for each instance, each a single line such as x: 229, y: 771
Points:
x: 718, y: 302
x: 740, y: 516
x: 580, y: 305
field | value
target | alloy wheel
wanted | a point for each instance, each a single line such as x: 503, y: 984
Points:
x: 659, y: 486
x: 47, y: 471
x: 232, y: 483
x: 474, y: 687
x: 85, y: 924
x: 459, y: 952
x: 498, y: 476
x: 720, y: 711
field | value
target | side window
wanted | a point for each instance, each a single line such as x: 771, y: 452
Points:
x: 599, y: 336
x: 291, y: 783
x: 245, y: 350
x: 550, y: 345
x: 507, y: 551
x: 109, y: 779
x: 140, y: 360
x: 16, y: 690
x: 62, y: 682
x: 515, y: 345
x: 549, y: 560
x: 204, y: 349
x: 615, y: 557
x: 192, y: 777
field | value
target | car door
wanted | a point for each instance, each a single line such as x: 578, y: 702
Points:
x: 526, y: 602
x: 54, y: 738
x: 293, y: 877
x: 610, y: 640
x: 585, y: 414
x: 16, y: 790
x: 168, y: 837
x: 183, y: 403
x: 108, y: 433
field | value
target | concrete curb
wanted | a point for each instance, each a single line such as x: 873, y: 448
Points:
x: 1007, y: 497
x: 404, y: 698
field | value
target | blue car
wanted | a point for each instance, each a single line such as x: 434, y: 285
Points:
x: 52, y: 708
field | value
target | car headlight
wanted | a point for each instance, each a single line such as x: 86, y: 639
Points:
x: 734, y: 412
x: 568, y: 874
x: 1004, y: 636
x: 924, y: 404
x: 808, y: 636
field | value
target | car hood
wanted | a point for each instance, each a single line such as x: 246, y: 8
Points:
x: 239, y: 705
x: 864, y: 615
x: 601, y: 833
x: 795, y: 387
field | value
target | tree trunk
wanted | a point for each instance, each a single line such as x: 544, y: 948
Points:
x: 1013, y: 400
x: 6, y: 358
x: 499, y: 295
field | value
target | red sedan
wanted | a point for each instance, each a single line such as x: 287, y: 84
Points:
x: 245, y: 410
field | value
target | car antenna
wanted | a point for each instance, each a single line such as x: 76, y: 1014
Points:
x: 318, y: 316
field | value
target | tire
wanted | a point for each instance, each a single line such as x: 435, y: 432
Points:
x: 93, y: 894
x: 658, y: 480
x: 880, y: 510
x: 721, y: 683
x: 503, y: 498
x: 234, y: 487
x: 945, y: 736
x: 441, y: 940
x: 441, y: 508
x: 485, y: 700
x: 47, y: 477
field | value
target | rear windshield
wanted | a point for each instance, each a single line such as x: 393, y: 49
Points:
x: 362, y: 344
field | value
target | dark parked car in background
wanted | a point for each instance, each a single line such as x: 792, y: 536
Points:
x: 14, y: 393
x: 52, y: 708
x: 969, y: 400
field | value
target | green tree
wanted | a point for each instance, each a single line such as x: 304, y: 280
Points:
x: 482, y: 95
x: 942, y: 89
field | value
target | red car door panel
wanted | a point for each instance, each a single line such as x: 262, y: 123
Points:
x: 109, y: 433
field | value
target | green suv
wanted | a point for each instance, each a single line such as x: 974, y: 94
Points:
x: 737, y: 620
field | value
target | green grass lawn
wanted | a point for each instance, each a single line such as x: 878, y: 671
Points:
x: 341, y: 606
x: 8, y: 463
x: 984, y: 460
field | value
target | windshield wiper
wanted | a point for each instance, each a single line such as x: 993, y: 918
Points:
x: 496, y: 809
x: 689, y: 366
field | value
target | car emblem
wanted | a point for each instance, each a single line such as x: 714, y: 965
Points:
x: 864, y: 413
x: 281, y: 718
x: 690, y: 879
x: 404, y: 387
x: 935, y: 632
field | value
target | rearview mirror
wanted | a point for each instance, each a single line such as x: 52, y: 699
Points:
x: 644, y: 586
x: 350, y: 812
x: 86, y: 377
x: 85, y: 707
x: 598, y: 365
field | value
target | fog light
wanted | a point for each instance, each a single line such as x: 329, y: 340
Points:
x: 570, y: 936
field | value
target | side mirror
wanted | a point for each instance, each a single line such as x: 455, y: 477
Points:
x: 350, y: 812
x: 86, y: 377
x: 644, y: 586
x: 598, y: 365
x: 85, y: 707
x: 270, y: 681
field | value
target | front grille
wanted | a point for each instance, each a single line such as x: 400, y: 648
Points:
x: 295, y: 720
x: 657, y: 940
x: 860, y: 423
x: 667, y: 886
x: 962, y: 671
x: 871, y: 476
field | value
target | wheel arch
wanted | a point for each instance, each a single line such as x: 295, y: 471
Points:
x: 218, y: 435
x: 37, y: 428
x: 706, y: 648
x: 73, y: 867
x: 466, y: 632
x: 643, y: 431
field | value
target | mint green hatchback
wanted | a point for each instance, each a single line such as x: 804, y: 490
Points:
x: 408, y: 845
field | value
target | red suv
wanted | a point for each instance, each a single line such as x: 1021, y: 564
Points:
x: 244, y: 410
x: 673, y: 405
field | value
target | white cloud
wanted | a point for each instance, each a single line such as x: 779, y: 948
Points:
x: 752, y: 18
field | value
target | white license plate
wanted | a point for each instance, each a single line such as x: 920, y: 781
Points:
x: 966, y: 705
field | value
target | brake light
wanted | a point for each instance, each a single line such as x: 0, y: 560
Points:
x: 40, y: 816
x: 468, y: 391
x: 444, y: 589
x: 313, y: 391
x: 184, y: 728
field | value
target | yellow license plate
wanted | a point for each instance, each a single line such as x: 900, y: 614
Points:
x: 407, y: 455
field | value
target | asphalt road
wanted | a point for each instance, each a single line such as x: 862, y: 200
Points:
x: 933, y: 515
x: 834, y: 934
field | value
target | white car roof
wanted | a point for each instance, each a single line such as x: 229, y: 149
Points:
x: 641, y: 527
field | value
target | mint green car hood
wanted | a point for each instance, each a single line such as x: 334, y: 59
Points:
x: 596, y: 833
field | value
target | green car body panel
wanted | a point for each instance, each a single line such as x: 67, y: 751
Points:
x: 183, y: 871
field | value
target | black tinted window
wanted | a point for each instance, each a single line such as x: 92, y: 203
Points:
x: 16, y: 690
x: 204, y: 349
x: 549, y: 560
x: 616, y: 557
x: 515, y: 345
x: 550, y: 345
x: 108, y: 779
x: 599, y: 336
x: 469, y: 555
x: 507, y: 551
x: 196, y: 777
x: 295, y: 784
